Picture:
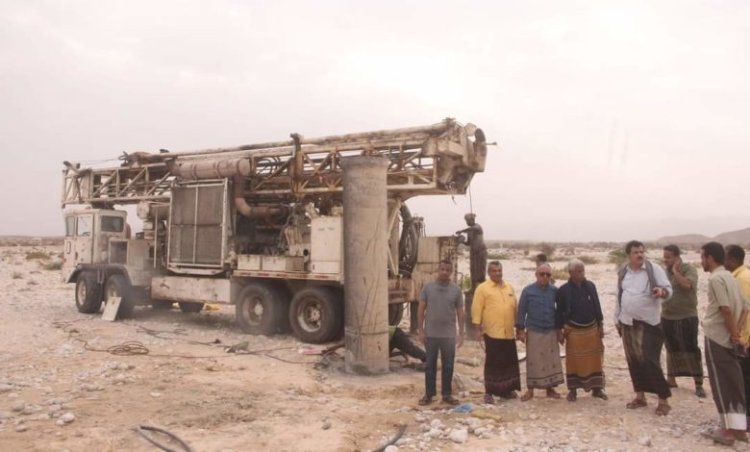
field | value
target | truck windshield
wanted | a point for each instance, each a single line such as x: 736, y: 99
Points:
x: 112, y: 224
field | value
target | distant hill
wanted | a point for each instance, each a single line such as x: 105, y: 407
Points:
x: 740, y: 237
x: 692, y: 239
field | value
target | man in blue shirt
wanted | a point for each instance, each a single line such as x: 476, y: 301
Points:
x: 537, y: 327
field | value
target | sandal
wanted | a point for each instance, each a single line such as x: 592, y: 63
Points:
x: 720, y: 436
x: 527, y: 396
x: 600, y: 394
x: 572, y: 396
x: 636, y: 403
x: 552, y: 394
x: 663, y: 409
x: 740, y: 436
x: 509, y: 395
x: 425, y: 401
x: 488, y: 399
x: 450, y: 400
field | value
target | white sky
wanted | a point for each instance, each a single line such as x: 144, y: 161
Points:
x: 616, y: 120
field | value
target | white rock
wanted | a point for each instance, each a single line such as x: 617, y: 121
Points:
x: 433, y: 433
x: 22, y: 427
x: 459, y: 435
x: 5, y: 388
x: 645, y: 441
x: 480, y: 431
x: 18, y: 406
x: 436, y: 423
x: 155, y: 394
x: 68, y: 417
x: 391, y: 448
x: 28, y: 409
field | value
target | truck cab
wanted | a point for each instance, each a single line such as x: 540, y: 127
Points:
x: 88, y: 233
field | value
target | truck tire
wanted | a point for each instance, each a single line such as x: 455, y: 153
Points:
x: 190, y: 308
x: 88, y: 293
x: 118, y: 286
x: 258, y: 310
x: 316, y: 314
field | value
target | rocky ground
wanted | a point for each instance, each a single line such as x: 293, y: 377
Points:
x: 70, y: 381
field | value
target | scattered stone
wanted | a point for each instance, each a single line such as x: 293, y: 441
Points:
x: 459, y: 435
x: 155, y: 394
x: 18, y: 406
x: 645, y: 441
x: 28, y: 409
x: 391, y: 448
x: 433, y: 433
x: 5, y: 415
x: 436, y: 423
x: 22, y: 427
x: 67, y: 418
x: 42, y: 417
x: 120, y: 378
x: 326, y: 425
x: 5, y: 388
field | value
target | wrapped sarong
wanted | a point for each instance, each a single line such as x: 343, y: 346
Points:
x: 501, y: 371
x: 727, y: 385
x: 584, y: 356
x: 642, y: 343
x: 543, y: 367
x: 681, y: 342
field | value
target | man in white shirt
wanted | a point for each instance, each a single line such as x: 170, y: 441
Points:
x: 642, y: 287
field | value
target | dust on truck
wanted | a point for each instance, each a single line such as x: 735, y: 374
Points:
x: 257, y: 226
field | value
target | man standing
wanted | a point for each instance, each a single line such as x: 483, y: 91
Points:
x: 536, y: 313
x: 493, y: 314
x: 477, y: 249
x: 735, y: 263
x: 580, y: 313
x: 679, y: 321
x: 641, y: 286
x: 440, y: 306
x: 721, y: 327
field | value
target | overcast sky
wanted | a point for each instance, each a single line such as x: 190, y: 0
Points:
x: 615, y: 120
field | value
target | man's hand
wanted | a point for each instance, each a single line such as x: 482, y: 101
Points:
x: 521, y: 336
x: 420, y: 335
x: 676, y: 266
x: 478, y: 333
x: 460, y: 339
x: 561, y: 336
x: 659, y: 292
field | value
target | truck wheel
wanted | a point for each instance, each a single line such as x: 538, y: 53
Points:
x: 88, y: 293
x: 258, y: 310
x: 395, y: 313
x: 316, y: 314
x: 118, y: 286
x: 189, y: 308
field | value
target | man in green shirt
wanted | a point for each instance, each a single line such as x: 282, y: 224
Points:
x: 679, y: 320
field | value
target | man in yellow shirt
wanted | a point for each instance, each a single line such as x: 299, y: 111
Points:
x: 493, y: 313
x: 735, y: 263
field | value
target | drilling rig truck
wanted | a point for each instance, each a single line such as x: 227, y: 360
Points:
x: 258, y: 226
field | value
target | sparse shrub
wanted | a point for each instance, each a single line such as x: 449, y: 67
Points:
x: 560, y: 274
x: 17, y: 275
x: 52, y: 265
x: 36, y: 254
x: 547, y: 248
x: 588, y: 260
x: 498, y: 256
x: 617, y: 257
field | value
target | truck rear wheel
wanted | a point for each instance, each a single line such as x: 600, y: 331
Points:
x: 88, y: 293
x: 258, y: 311
x: 316, y: 314
x: 189, y: 308
x: 118, y: 286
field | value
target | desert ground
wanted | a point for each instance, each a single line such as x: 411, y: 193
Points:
x: 74, y: 382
